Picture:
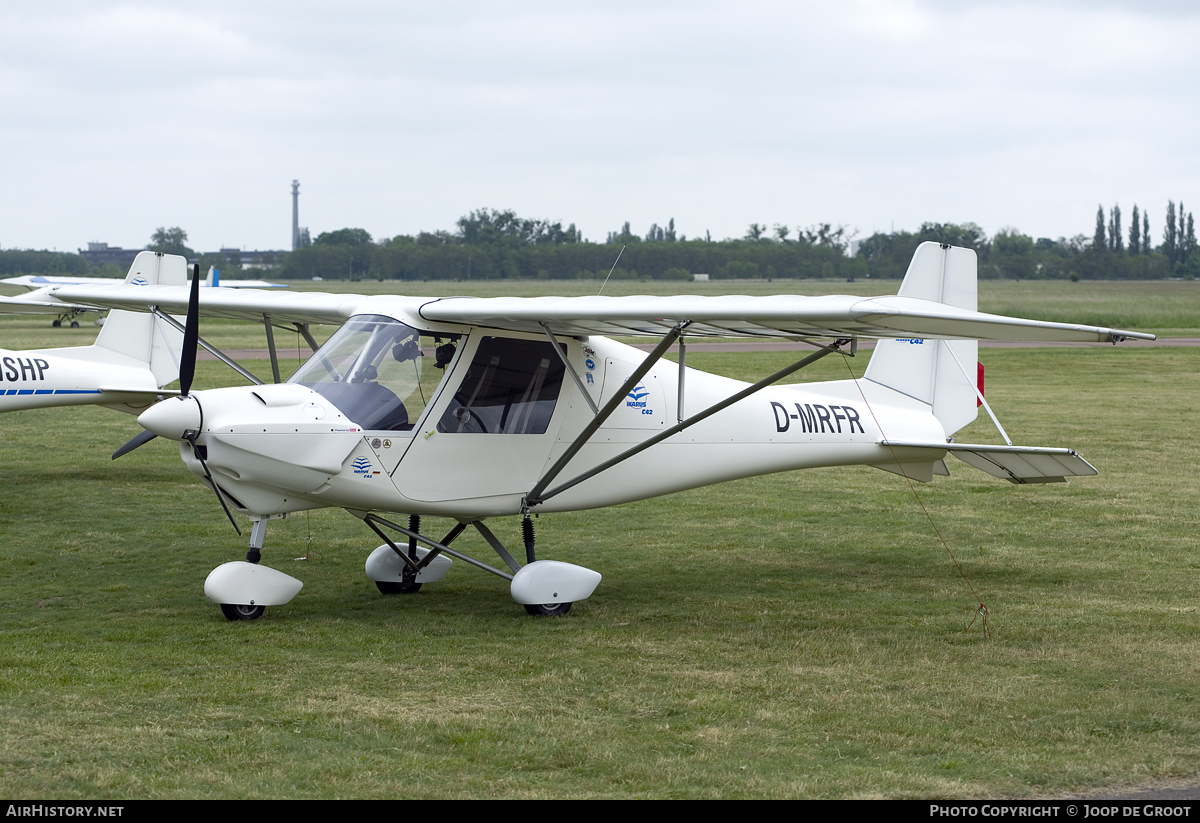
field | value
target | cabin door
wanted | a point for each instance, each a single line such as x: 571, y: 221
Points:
x: 492, y: 429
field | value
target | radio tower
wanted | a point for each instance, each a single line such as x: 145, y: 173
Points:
x: 295, y: 214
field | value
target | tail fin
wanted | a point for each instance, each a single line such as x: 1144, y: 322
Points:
x: 926, y: 369
x: 143, y: 336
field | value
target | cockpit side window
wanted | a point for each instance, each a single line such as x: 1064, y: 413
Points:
x: 378, y: 372
x: 511, y: 387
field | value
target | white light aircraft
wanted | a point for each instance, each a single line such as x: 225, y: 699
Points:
x: 524, y: 408
x: 134, y: 356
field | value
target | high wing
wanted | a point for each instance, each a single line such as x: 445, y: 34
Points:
x: 735, y: 316
x: 937, y: 300
x: 738, y: 316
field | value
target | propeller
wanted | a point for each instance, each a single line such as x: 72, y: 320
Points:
x: 191, y: 335
x: 144, y: 437
x: 187, y: 373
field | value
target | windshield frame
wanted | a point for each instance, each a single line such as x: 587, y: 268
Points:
x: 354, y: 372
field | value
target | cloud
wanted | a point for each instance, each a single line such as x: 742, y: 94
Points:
x: 399, y: 117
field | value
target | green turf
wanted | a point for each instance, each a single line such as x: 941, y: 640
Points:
x: 798, y: 635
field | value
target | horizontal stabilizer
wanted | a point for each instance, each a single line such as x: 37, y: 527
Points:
x: 1016, y: 464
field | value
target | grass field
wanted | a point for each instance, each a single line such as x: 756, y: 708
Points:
x: 797, y: 635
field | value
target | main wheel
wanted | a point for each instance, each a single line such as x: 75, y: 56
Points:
x: 74, y: 324
x: 390, y: 587
x: 238, y: 611
x: 547, y: 609
x: 57, y: 324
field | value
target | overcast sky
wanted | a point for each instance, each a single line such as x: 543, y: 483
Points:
x: 397, y: 117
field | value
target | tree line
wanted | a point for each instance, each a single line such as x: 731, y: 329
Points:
x: 490, y: 244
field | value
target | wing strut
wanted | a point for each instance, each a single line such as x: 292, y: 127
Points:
x: 535, y: 495
x: 271, y: 348
x: 211, y: 349
x: 539, y: 495
x: 301, y: 328
x: 570, y: 369
x: 308, y: 338
x: 682, y: 373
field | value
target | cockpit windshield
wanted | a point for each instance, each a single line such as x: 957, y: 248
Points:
x: 375, y: 371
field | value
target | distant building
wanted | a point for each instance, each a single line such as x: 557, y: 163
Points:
x: 98, y: 254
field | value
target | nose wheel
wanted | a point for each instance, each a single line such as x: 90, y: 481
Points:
x: 391, y: 587
x: 547, y: 609
x: 243, y: 590
x: 238, y: 611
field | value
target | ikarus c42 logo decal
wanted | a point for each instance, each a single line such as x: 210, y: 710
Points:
x: 363, y: 468
x: 637, y: 399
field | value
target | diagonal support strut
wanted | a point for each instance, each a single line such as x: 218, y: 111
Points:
x: 535, y: 494
x: 539, y: 496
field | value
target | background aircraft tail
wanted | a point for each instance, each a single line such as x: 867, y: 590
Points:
x: 926, y: 370
x: 143, y: 336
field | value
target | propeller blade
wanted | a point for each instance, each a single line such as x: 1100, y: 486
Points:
x: 191, y: 334
x: 144, y: 437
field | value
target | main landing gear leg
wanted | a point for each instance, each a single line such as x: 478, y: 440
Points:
x: 407, y: 584
x: 546, y: 588
x: 397, y: 568
x: 244, y: 589
x: 543, y: 587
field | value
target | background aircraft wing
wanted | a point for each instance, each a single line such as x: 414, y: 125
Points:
x: 251, y: 284
x: 38, y: 281
x: 38, y: 302
x: 739, y: 316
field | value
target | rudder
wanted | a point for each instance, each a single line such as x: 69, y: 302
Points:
x: 926, y: 370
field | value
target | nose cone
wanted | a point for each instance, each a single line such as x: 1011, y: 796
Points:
x: 172, y: 417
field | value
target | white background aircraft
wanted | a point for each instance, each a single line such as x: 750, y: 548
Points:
x: 525, y: 409
x: 134, y: 356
